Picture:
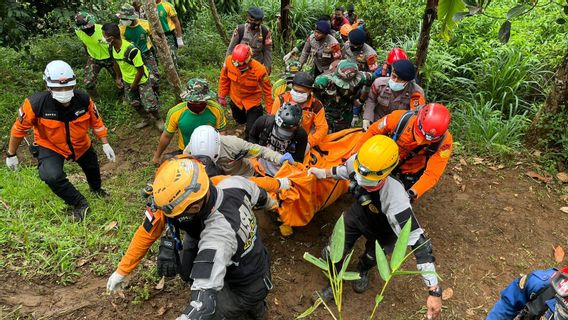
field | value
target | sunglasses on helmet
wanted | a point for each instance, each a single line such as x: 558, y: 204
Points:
x: 364, y: 171
x: 193, y: 187
x: 60, y: 80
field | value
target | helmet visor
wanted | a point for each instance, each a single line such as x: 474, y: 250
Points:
x: 60, y: 81
x: 366, y: 172
x: 193, y: 187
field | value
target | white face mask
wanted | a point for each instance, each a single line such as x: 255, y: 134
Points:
x: 299, y: 97
x: 125, y: 23
x: 62, y: 96
x: 365, y: 182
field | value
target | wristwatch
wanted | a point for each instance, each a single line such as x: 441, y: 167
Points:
x: 9, y: 155
x: 436, y: 292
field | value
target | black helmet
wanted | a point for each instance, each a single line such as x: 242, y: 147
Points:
x: 303, y: 79
x: 288, y: 116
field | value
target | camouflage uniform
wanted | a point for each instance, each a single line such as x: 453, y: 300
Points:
x: 143, y: 98
x: 323, y: 52
x: 151, y: 63
x: 367, y: 58
x: 261, y: 46
x: 339, y: 91
x: 92, y: 69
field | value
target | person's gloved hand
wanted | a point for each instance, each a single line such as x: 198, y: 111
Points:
x: 287, y: 157
x: 202, y: 306
x: 290, y: 54
x: 166, y: 263
x: 179, y: 41
x: 412, y: 195
x: 366, y: 124
x: 222, y: 101
x: 354, y: 121
x: 271, y: 204
x: 317, y: 172
x: 284, y: 183
x: 114, y: 281
x: 12, y: 162
x: 109, y: 152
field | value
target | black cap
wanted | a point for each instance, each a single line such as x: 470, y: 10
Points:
x: 303, y: 79
x: 256, y: 13
x: 357, y: 36
x: 404, y: 69
x: 351, y: 8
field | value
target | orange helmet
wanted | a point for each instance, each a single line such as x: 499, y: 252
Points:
x: 241, y: 56
x: 345, y: 29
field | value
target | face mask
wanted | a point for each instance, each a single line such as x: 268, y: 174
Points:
x: 299, y: 97
x: 62, y: 96
x: 197, y: 107
x: 369, y: 185
x: 104, y: 40
x: 125, y: 23
x: 89, y: 31
x: 395, y: 86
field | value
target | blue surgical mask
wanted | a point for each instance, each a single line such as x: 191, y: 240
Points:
x: 396, y: 86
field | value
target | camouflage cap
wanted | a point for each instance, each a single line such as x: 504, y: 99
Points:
x: 198, y: 90
x: 84, y: 20
x: 347, y: 74
x: 292, y: 66
x: 127, y: 12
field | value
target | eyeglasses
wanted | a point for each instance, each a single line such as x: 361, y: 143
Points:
x: 364, y: 171
x: 429, y: 137
x: 193, y: 187
x: 60, y: 80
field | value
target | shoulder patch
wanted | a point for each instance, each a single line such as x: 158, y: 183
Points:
x: 523, y: 282
x: 149, y: 219
x: 445, y: 154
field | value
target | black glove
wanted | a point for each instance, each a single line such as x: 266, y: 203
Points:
x: 168, y: 258
x: 202, y: 306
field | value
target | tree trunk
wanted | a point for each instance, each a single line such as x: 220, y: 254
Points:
x: 430, y: 15
x: 218, y: 24
x: 285, y: 24
x: 556, y: 102
x: 163, y: 48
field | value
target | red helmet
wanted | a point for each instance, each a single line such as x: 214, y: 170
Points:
x: 560, y: 282
x: 432, y: 121
x: 241, y: 56
x: 395, y: 55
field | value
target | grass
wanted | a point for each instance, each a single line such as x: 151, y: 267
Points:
x: 41, y: 241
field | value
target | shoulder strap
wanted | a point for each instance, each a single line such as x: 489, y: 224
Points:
x: 264, y: 32
x: 241, y: 30
x: 130, y: 54
x: 536, y: 307
x: 402, y: 124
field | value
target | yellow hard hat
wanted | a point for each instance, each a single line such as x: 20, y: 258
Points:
x: 377, y: 157
x: 179, y: 182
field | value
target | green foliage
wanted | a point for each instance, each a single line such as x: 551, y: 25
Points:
x: 446, y: 11
x: 555, y: 143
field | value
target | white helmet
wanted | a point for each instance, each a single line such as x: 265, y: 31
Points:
x: 204, y: 141
x: 58, y: 73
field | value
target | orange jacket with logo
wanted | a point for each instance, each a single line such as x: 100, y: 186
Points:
x: 407, y: 141
x: 245, y: 88
x: 64, y: 130
x: 313, y: 115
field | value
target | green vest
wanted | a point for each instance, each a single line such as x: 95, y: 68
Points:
x: 128, y: 64
x: 96, y: 47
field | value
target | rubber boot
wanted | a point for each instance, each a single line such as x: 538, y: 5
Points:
x: 326, y: 294
x: 366, y: 263
x: 158, y: 122
x: 80, y: 211
x: 144, y: 115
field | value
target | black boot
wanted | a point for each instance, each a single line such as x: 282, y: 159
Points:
x: 80, y: 210
x: 326, y: 294
x: 362, y: 284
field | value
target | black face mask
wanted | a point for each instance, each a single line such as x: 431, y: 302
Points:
x: 89, y: 31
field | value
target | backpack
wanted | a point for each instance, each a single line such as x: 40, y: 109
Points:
x: 431, y: 149
x: 129, y: 54
x: 241, y: 30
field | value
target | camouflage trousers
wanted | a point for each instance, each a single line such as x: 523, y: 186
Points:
x: 144, y: 96
x: 338, y: 119
x: 171, y: 37
x: 92, y: 70
x: 151, y: 63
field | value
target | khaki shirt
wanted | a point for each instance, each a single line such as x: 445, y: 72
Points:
x: 324, y: 52
x: 382, y: 100
x: 261, y: 48
x: 233, y: 147
x: 367, y: 58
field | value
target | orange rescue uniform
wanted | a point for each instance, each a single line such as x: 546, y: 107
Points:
x: 409, y: 140
x: 245, y: 88
x: 313, y: 116
x: 53, y: 134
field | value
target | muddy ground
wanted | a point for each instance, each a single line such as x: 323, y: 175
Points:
x: 488, y: 224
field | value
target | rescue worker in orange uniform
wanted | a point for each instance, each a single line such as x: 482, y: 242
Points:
x: 313, y: 113
x: 61, y: 118
x: 424, y: 141
x: 245, y: 81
